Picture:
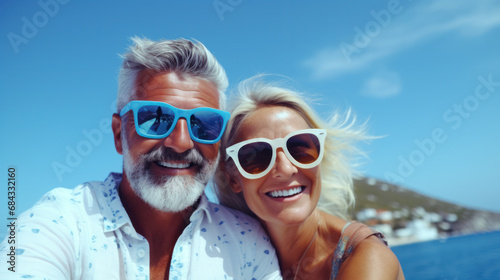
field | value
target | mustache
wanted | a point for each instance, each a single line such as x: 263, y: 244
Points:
x: 192, y: 156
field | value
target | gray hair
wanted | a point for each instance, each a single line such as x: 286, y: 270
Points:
x: 181, y: 56
x: 337, y: 196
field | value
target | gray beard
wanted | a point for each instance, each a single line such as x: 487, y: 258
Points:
x: 167, y: 193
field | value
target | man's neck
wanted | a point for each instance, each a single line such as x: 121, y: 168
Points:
x: 161, y: 229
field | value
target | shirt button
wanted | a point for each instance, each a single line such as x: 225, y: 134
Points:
x: 141, y: 253
x: 127, y: 230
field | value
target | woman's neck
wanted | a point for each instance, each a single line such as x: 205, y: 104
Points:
x: 306, y: 248
x: 291, y: 243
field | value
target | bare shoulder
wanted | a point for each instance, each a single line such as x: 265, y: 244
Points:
x: 371, y: 259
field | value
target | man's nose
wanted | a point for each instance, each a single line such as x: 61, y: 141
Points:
x: 179, y: 140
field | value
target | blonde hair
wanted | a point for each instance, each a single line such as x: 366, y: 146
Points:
x: 337, y: 196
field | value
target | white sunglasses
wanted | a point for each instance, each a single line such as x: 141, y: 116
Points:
x: 254, y: 158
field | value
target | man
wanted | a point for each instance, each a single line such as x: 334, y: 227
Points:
x: 152, y: 222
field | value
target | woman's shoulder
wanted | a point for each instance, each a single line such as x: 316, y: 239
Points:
x: 374, y: 257
x: 333, y: 224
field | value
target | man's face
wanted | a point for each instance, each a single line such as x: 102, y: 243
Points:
x: 170, y: 174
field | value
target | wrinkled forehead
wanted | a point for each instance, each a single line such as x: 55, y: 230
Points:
x: 182, y: 91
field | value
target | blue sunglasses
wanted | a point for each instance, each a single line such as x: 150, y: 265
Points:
x: 157, y: 120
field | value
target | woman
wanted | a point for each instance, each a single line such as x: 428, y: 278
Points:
x: 283, y: 164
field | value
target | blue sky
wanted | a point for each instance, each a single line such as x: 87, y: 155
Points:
x: 424, y: 74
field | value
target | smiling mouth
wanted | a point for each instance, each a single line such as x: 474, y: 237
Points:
x: 285, y: 193
x: 174, y: 165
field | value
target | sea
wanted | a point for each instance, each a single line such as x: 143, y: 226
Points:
x: 474, y: 256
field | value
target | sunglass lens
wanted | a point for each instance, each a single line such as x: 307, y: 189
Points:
x: 304, y: 148
x: 255, y: 157
x: 155, y: 120
x: 206, y: 125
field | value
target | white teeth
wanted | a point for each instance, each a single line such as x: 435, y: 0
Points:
x: 173, y: 165
x: 285, y: 193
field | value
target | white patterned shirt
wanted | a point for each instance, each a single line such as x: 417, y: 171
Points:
x: 85, y: 233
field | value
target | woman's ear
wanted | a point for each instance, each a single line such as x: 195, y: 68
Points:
x: 235, y: 184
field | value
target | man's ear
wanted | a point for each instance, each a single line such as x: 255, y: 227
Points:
x: 235, y: 184
x: 116, y: 126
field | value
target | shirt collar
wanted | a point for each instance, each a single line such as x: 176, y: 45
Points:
x: 115, y: 215
x: 112, y: 210
x: 205, y: 208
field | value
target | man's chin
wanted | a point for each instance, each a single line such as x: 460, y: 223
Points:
x: 174, y: 195
x: 164, y: 191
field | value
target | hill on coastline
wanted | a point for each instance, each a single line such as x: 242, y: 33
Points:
x: 383, y: 196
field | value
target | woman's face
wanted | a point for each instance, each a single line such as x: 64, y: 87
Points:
x: 260, y: 194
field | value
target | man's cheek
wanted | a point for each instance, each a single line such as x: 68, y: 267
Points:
x: 210, y: 152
